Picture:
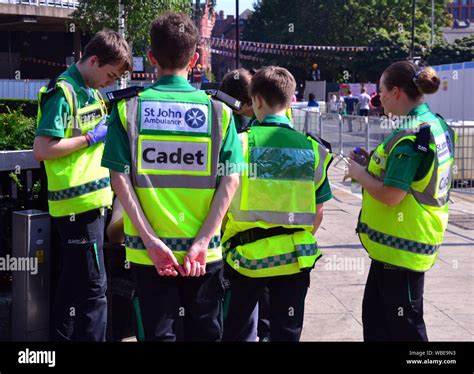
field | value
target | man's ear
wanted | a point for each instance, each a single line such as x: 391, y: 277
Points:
x: 151, y: 58
x: 93, y: 60
x: 193, y: 60
x: 258, y: 101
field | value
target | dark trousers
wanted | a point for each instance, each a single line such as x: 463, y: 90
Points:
x: 286, y: 295
x: 263, y: 325
x: 181, y: 308
x: 80, y: 305
x: 392, y: 309
x: 363, y: 112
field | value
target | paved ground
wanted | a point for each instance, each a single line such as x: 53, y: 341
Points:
x: 333, y: 304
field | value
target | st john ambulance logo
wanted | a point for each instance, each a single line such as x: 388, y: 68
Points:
x: 195, y: 118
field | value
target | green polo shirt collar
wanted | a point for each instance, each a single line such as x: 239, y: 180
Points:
x: 73, y: 73
x: 277, y: 119
x: 419, y: 110
x: 173, y: 83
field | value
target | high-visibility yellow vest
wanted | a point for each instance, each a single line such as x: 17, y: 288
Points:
x: 77, y: 182
x: 409, y: 234
x: 285, y: 168
x: 175, y: 140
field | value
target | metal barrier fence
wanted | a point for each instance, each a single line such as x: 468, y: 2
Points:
x: 464, y: 158
x: 347, y: 132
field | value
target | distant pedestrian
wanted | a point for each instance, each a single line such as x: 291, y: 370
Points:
x: 364, y: 100
x: 312, y: 101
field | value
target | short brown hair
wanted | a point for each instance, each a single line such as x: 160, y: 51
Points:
x: 174, y: 39
x: 236, y: 84
x: 413, y: 80
x: 274, y: 84
x: 110, y: 48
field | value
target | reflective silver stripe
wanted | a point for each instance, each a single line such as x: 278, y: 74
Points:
x: 426, y: 199
x: 277, y: 218
x: 396, y: 242
x: 404, y: 133
x: 320, y: 169
x: 175, y: 244
x: 174, y: 181
x: 69, y: 193
x: 274, y: 261
x: 76, y: 130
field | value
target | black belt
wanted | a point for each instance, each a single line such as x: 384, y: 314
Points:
x: 257, y: 233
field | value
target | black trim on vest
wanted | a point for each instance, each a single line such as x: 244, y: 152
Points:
x: 257, y: 233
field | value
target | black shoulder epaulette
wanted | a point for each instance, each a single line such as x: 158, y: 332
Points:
x: 125, y: 93
x: 422, y: 141
x: 440, y: 116
x: 231, y: 102
x: 320, y: 141
x: 52, y: 86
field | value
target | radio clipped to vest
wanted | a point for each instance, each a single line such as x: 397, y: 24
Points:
x: 126, y: 93
x: 231, y: 102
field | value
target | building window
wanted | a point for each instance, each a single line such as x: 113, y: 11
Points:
x: 472, y: 15
x: 464, y: 14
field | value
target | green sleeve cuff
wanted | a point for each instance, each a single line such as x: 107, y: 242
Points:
x: 50, y: 132
x: 323, y: 198
x: 115, y: 166
x: 396, y: 184
x: 324, y: 192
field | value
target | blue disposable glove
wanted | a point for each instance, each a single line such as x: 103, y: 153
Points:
x: 98, y: 133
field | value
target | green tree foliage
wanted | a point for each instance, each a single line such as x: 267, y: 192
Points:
x: 461, y: 50
x: 93, y: 16
x: 17, y: 131
x: 383, y: 24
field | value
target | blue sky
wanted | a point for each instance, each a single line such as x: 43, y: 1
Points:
x: 228, y: 6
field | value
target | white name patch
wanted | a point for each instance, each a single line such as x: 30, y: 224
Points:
x: 181, y: 117
x: 443, y: 146
x: 174, y: 156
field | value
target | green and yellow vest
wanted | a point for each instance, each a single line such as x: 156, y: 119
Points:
x: 409, y: 234
x: 175, y: 139
x: 77, y: 182
x: 284, y: 170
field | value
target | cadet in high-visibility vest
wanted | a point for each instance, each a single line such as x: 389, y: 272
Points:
x: 269, y: 234
x: 236, y: 84
x: 405, y: 204
x: 69, y: 139
x: 174, y: 155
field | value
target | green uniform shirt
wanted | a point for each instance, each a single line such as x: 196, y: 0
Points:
x: 323, y: 193
x: 242, y: 121
x: 117, y: 149
x: 405, y: 164
x: 55, y: 109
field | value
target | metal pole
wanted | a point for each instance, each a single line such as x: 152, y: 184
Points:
x: 432, y: 21
x: 10, y: 74
x: 367, y: 134
x: 341, y: 124
x: 413, y: 30
x: 237, y: 34
x: 122, y: 82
